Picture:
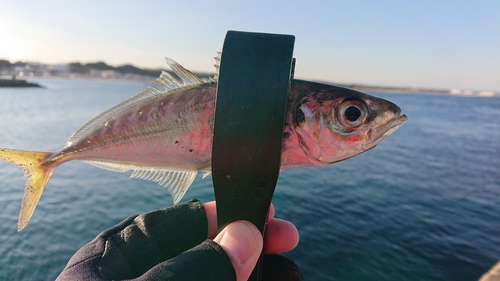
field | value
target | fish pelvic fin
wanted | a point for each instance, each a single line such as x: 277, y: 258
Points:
x: 39, y: 174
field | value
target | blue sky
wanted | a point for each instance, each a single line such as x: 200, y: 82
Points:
x: 443, y: 44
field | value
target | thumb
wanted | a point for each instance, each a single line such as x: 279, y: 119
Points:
x: 242, y: 242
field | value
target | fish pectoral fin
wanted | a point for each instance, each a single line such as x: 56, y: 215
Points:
x: 176, y: 182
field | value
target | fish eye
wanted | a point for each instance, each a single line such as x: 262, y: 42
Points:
x: 351, y: 113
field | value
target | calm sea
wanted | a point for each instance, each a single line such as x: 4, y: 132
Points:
x: 423, y: 205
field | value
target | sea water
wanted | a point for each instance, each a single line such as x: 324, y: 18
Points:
x: 423, y: 205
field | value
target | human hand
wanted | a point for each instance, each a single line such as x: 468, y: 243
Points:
x: 242, y: 241
x: 172, y: 244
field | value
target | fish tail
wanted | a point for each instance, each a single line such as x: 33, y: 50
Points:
x: 39, y: 173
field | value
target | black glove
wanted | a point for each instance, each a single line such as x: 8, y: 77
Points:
x: 167, y: 244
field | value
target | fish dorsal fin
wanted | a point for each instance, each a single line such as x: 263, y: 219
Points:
x: 176, y: 182
x: 166, y: 80
x: 188, y: 78
x: 217, y: 68
x: 148, y: 92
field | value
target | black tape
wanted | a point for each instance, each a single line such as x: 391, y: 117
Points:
x: 250, y: 113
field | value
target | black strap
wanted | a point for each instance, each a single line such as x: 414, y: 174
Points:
x: 250, y: 112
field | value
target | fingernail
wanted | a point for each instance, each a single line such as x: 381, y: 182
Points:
x: 239, y: 238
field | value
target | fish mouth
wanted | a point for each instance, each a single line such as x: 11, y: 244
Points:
x: 378, y: 133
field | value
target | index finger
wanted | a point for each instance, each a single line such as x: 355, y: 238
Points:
x: 281, y: 235
x: 211, y: 211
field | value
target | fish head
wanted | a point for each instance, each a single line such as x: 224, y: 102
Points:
x: 334, y: 123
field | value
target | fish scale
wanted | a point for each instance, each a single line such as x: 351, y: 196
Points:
x: 147, y: 133
x: 165, y: 136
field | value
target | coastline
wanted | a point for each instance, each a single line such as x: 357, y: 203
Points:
x: 22, y: 83
x: 17, y: 83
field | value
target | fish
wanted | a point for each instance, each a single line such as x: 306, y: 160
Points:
x: 164, y: 134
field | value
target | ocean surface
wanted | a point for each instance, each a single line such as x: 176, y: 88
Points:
x: 423, y: 205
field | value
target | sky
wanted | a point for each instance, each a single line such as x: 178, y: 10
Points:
x: 434, y: 44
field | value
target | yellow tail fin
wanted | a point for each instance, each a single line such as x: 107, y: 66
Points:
x: 39, y: 174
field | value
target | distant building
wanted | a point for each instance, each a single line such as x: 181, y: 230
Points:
x: 486, y: 94
x: 58, y: 68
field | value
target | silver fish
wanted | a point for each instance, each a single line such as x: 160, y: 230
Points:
x: 165, y: 136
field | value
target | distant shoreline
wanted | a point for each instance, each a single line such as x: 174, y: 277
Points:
x: 358, y: 87
x: 17, y: 83
x: 103, y: 71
